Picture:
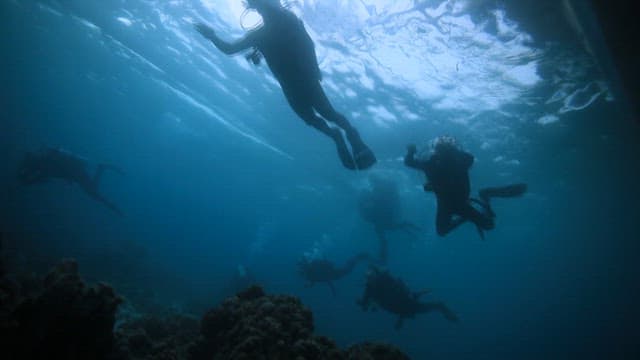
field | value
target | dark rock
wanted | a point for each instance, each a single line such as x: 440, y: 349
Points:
x: 66, y: 319
x: 372, y: 351
x: 253, y: 325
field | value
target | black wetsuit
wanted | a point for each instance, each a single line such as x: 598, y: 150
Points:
x: 290, y: 53
x: 393, y: 295
x: 53, y: 163
x: 448, y: 177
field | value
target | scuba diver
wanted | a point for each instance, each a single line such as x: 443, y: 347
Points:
x: 290, y: 53
x: 320, y: 270
x: 49, y: 163
x: 447, y: 172
x: 393, y: 295
x: 380, y: 206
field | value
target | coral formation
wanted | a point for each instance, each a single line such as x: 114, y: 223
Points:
x: 63, y: 319
x: 372, y: 351
x: 253, y: 325
x: 156, y: 337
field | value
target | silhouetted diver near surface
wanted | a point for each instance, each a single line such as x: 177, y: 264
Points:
x: 50, y: 163
x: 447, y: 171
x: 381, y: 207
x: 393, y: 295
x: 290, y: 54
x: 320, y: 270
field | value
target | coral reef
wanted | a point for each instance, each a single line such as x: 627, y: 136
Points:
x: 372, y: 351
x: 253, y: 325
x: 156, y: 337
x: 62, y: 318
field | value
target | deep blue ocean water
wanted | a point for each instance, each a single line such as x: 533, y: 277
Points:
x: 220, y: 173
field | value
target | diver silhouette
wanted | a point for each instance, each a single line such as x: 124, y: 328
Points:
x: 50, y: 163
x: 290, y: 54
x: 321, y: 270
x: 447, y: 172
x: 381, y: 207
x: 393, y: 295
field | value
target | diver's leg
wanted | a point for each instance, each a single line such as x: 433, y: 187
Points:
x: 306, y: 113
x: 441, y: 308
x: 96, y: 196
x: 445, y: 222
x: 333, y: 289
x: 363, y: 156
x: 482, y: 220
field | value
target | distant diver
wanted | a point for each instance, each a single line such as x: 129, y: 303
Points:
x: 290, y: 53
x: 316, y: 270
x: 50, y: 163
x: 393, y: 295
x: 381, y: 207
x: 447, y: 172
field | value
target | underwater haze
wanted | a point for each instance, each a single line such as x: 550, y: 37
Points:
x: 221, y: 178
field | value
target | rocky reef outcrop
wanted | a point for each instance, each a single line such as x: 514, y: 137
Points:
x: 57, y: 317
x: 254, y: 325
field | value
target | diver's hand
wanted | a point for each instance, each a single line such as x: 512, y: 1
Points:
x: 205, y: 31
x: 412, y: 149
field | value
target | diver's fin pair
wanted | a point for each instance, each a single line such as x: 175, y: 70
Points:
x: 508, y: 191
x: 361, y: 160
x: 362, y: 157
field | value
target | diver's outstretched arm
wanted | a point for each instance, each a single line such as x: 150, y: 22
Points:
x: 227, y: 47
x: 411, y: 161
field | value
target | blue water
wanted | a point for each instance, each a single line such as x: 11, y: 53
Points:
x: 221, y: 173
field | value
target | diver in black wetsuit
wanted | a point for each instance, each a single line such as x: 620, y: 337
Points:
x: 50, y: 163
x: 393, y: 295
x: 290, y: 54
x: 380, y: 206
x: 447, y: 171
x: 320, y: 270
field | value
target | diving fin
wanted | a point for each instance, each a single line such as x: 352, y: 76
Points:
x: 364, y: 158
x: 343, y: 151
x: 508, y: 191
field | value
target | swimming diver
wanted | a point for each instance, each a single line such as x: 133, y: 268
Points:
x: 50, y: 163
x: 381, y: 207
x: 290, y: 53
x: 447, y: 172
x: 320, y: 270
x: 393, y: 295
